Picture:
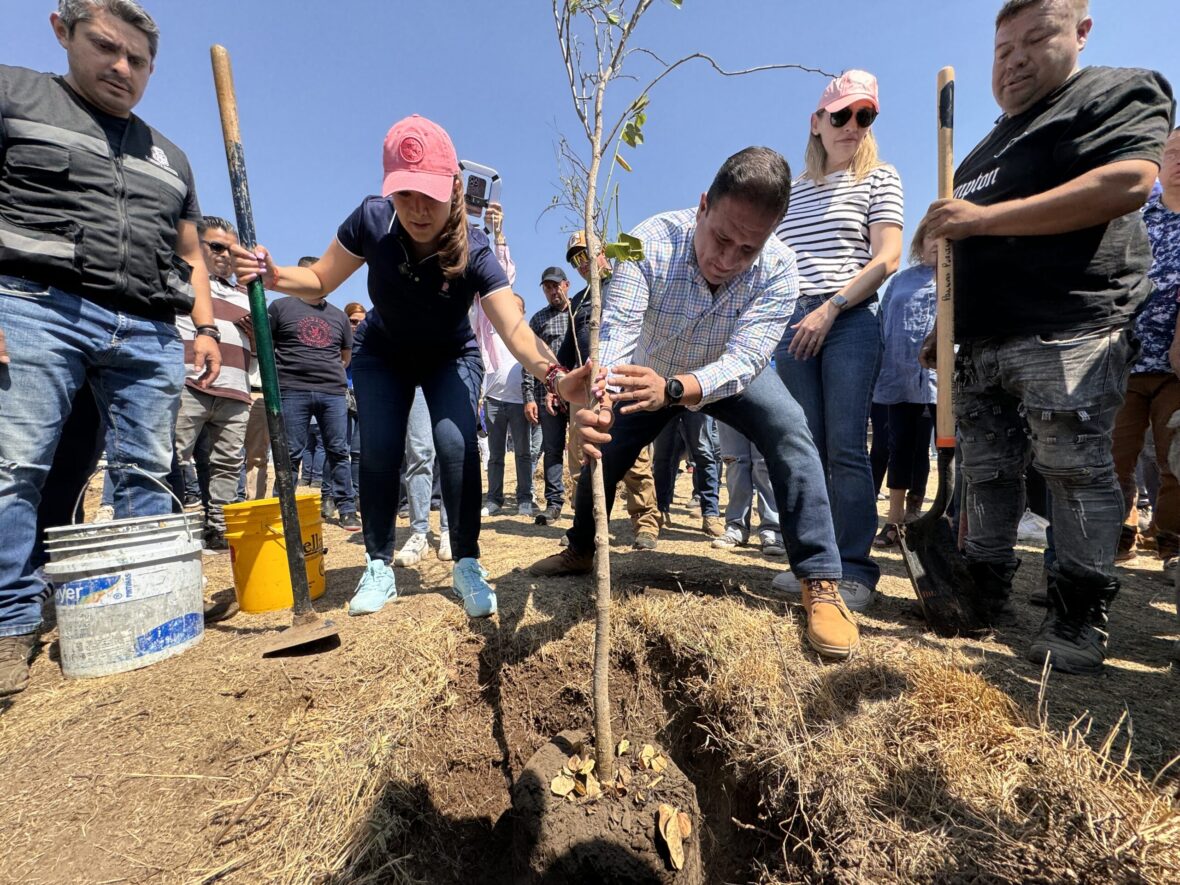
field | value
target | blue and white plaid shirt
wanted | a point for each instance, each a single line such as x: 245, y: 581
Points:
x: 660, y: 313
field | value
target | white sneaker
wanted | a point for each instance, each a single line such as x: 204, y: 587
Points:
x: 525, y: 509
x: 787, y: 583
x: 490, y: 509
x: 106, y: 513
x: 411, y: 553
x: 772, y: 545
x: 444, y: 547
x: 857, y: 596
x: 732, y: 538
x: 1031, y: 530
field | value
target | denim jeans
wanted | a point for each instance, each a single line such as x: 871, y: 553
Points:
x: 745, y: 471
x: 766, y: 414
x: 1057, y: 399
x: 330, y: 411
x: 501, y: 417
x: 385, y: 390
x: 57, y: 342
x: 835, y: 389
x: 910, y: 425
x: 311, y: 466
x: 421, y: 472
x: 700, y: 435
x: 553, y: 429
x: 354, y: 452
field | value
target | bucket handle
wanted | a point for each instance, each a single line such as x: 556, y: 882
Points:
x: 102, y: 467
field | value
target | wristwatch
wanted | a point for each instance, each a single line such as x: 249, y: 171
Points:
x: 211, y: 331
x: 839, y: 301
x: 673, y: 391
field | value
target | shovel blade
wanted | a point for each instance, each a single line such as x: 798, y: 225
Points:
x: 945, y: 589
x: 305, y: 629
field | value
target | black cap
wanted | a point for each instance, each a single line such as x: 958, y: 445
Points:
x: 553, y: 275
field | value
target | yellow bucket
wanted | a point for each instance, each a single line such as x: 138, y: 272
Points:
x: 258, y: 553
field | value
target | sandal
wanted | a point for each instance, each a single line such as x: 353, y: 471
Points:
x: 888, y: 537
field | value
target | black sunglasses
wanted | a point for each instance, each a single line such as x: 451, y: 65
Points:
x: 864, y: 117
x: 217, y: 248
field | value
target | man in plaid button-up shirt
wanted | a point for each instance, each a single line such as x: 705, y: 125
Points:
x: 693, y: 325
x: 550, y: 324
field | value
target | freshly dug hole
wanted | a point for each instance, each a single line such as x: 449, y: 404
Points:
x: 608, y: 840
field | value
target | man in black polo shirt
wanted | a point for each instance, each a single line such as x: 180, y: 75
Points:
x: 98, y: 244
x: 313, y: 345
x: 1051, y: 257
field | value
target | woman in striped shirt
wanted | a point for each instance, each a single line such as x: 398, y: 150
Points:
x: 844, y: 224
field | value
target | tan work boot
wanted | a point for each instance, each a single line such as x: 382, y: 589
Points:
x: 14, y: 662
x: 566, y: 562
x: 713, y: 526
x: 830, y: 628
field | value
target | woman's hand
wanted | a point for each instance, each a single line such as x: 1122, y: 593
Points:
x: 928, y: 354
x: 249, y: 266
x: 811, y: 331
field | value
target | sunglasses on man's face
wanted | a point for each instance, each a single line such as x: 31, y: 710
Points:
x: 580, y: 260
x: 217, y: 248
x: 864, y: 117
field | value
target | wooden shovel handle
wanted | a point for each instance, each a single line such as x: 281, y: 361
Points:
x: 944, y: 425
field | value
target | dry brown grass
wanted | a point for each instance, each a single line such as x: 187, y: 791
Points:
x: 903, y: 765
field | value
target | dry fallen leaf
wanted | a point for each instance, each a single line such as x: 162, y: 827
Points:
x: 685, y: 824
x: 580, y: 788
x: 562, y: 785
x: 668, y: 824
x: 587, y: 767
x: 646, y: 754
x: 624, y: 774
x: 593, y: 788
x: 658, y: 764
x: 655, y: 783
x: 623, y: 748
x: 574, y: 763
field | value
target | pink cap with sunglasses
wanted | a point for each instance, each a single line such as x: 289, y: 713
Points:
x: 849, y: 88
x: 419, y: 156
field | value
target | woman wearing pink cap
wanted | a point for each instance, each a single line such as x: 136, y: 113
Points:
x: 844, y: 224
x: 426, y: 266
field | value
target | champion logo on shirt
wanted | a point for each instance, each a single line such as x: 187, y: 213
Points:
x: 980, y: 182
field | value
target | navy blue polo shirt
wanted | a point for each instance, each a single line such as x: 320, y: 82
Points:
x: 422, y: 314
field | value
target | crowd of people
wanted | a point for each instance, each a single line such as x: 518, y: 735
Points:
x: 749, y: 339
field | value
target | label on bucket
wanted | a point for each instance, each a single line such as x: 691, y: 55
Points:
x: 111, y: 589
x: 169, y: 634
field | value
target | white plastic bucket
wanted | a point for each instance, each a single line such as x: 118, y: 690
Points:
x: 127, y: 593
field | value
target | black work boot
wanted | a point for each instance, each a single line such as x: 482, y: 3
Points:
x: 994, y: 582
x: 1074, y: 632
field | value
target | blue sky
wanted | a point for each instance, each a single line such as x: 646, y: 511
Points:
x: 319, y: 84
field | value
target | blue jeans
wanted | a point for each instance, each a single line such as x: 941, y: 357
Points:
x: 1058, y: 400
x: 765, y: 413
x: 58, y: 342
x: 553, y: 429
x: 700, y: 435
x: 835, y: 390
x: 311, y: 466
x: 745, y: 471
x: 354, y: 451
x: 330, y: 411
x: 384, y: 390
x: 502, y: 416
x: 420, y: 469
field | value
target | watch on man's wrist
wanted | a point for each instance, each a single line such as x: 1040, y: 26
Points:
x: 212, y: 331
x: 673, y: 391
x: 839, y: 302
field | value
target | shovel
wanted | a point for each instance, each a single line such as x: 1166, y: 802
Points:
x: 307, y: 626
x: 946, y: 591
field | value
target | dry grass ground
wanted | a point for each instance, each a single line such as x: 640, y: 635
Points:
x: 388, y: 758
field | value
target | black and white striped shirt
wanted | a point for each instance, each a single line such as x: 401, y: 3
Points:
x: 827, y: 225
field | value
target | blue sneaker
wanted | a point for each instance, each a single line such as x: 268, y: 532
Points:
x: 376, y: 587
x: 471, y: 585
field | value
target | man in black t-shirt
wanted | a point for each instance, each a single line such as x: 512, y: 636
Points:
x: 1051, y: 258
x: 313, y: 345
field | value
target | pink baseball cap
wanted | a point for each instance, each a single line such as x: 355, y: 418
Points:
x: 418, y: 156
x: 850, y: 87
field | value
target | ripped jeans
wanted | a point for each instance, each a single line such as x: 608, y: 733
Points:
x: 1057, y: 398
